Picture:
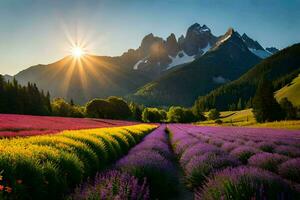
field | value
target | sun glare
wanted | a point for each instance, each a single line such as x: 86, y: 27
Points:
x: 77, y: 52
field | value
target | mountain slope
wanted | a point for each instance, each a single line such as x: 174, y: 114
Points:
x: 83, y: 79
x: 227, y: 60
x: 290, y: 91
x: 276, y: 68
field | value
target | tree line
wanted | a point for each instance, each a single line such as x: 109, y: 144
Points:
x: 18, y: 99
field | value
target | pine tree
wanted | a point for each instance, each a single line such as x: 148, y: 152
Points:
x: 288, y: 108
x: 239, y: 105
x: 265, y: 106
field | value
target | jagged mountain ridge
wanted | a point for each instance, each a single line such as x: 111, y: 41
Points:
x: 122, y: 75
x: 228, y: 59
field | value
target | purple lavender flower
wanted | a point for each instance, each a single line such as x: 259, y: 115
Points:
x: 198, y: 149
x: 243, y: 153
x: 267, y: 161
x: 216, y: 141
x: 229, y: 146
x: 113, y: 185
x: 152, y: 159
x: 290, y: 151
x: 266, y: 146
x: 290, y: 170
x: 245, y: 183
x: 199, y: 167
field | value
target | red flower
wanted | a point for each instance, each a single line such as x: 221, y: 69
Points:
x: 8, y: 189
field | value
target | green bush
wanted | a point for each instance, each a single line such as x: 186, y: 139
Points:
x: 153, y: 115
x: 213, y: 114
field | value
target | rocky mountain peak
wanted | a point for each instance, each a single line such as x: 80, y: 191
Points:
x: 197, y: 37
x: 172, y: 45
x: 272, y: 49
x: 251, y: 44
x: 148, y: 42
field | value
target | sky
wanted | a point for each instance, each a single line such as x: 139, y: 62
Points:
x: 38, y: 31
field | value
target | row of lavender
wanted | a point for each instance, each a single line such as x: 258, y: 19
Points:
x: 217, y: 163
x: 147, y: 172
x: 252, y: 157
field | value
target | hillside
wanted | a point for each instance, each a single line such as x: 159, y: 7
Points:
x: 290, y: 91
x: 226, y: 61
x: 246, y: 118
x: 81, y: 80
x: 278, y: 68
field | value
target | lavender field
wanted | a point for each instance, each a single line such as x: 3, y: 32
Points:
x: 179, y: 161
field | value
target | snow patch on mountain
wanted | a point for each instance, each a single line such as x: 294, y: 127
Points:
x: 219, y: 79
x: 260, y: 53
x: 204, y: 50
x: 181, y: 58
x: 136, y: 66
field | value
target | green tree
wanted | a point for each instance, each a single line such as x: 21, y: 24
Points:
x: 289, y: 110
x: 178, y: 114
x: 97, y: 108
x: 152, y: 115
x: 265, y: 106
x: 119, y: 108
x: 213, y: 114
x: 239, y: 104
x: 136, y: 111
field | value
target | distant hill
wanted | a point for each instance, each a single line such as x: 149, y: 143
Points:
x: 81, y: 80
x: 280, y: 68
x: 290, y: 91
x: 227, y: 60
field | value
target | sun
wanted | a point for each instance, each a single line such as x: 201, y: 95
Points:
x: 77, y: 52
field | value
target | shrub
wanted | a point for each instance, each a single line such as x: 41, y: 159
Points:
x: 199, y: 167
x: 290, y: 169
x: 229, y: 146
x: 198, y: 149
x: 265, y: 106
x: 158, y: 170
x: 153, y: 115
x: 243, y: 153
x: 110, y: 108
x: 267, y: 161
x: 266, y: 146
x: 289, y: 110
x: 246, y: 183
x: 288, y: 150
x: 178, y: 114
x: 213, y: 114
x: 218, y: 121
x: 113, y: 185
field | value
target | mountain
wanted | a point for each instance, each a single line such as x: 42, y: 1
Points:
x: 255, y: 47
x: 273, y: 50
x: 157, y: 55
x: 86, y: 78
x: 155, y: 61
x: 226, y: 60
x: 280, y: 68
x: 290, y: 91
